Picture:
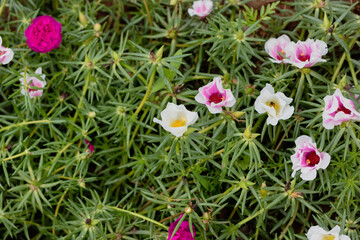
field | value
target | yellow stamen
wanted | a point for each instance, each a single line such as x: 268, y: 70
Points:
x: 328, y: 237
x: 179, y: 123
x: 308, y: 161
x: 273, y: 105
x: 282, y: 51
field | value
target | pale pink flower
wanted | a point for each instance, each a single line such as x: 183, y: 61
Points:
x: 33, y: 82
x: 176, y: 119
x: 183, y: 232
x: 201, y: 8
x: 214, y: 96
x: 6, y: 54
x: 308, y: 158
x: 276, y: 105
x: 318, y: 233
x: 338, y: 109
x: 305, y: 54
x: 276, y: 46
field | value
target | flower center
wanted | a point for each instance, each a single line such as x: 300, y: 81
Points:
x: 328, y: 237
x: 279, y: 57
x: 312, y: 159
x: 341, y: 108
x: 2, y: 52
x: 216, y: 98
x: 274, y: 105
x: 303, y: 57
x: 179, y: 123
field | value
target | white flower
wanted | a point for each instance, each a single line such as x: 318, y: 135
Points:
x: 201, y: 8
x: 275, y: 46
x: 176, y: 119
x: 33, y: 82
x: 6, y: 54
x: 276, y: 105
x: 318, y: 233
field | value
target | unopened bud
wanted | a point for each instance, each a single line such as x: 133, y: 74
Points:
x: 97, y: 27
x: 91, y: 114
x: 188, y: 210
x: 263, y: 192
x: 326, y: 22
x: 82, y: 19
x: 206, y: 216
x: 238, y: 114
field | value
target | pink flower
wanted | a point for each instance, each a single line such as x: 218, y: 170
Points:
x: 183, y: 232
x: 43, y: 34
x: 214, y: 96
x: 89, y: 146
x: 6, y: 54
x: 305, y: 54
x: 308, y: 158
x: 275, y: 46
x: 338, y: 109
x: 33, y: 82
x: 201, y: 8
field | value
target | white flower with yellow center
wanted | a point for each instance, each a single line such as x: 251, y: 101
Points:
x: 318, y: 233
x: 276, y: 105
x: 176, y: 119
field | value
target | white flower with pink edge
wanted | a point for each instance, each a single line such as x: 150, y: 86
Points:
x: 201, y: 8
x: 308, y: 159
x: 214, y: 96
x: 276, y: 105
x: 33, y: 82
x: 6, y: 54
x: 305, y: 54
x: 318, y: 233
x: 275, y: 47
x: 176, y: 119
x: 338, y: 109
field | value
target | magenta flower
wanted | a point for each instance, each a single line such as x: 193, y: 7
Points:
x: 89, y: 146
x: 275, y: 47
x: 183, y: 232
x: 305, y: 54
x: 43, y: 34
x: 6, y: 54
x: 33, y: 82
x: 201, y: 8
x: 308, y: 158
x: 338, y: 109
x: 214, y: 96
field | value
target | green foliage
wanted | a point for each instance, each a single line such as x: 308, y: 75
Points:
x: 119, y: 64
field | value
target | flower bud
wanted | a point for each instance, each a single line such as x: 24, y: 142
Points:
x: 238, y: 114
x: 82, y: 19
x: 263, y: 192
x: 91, y: 114
x: 326, y: 22
x: 188, y: 210
x: 97, y: 27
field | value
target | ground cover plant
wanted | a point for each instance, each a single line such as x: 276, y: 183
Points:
x: 180, y: 119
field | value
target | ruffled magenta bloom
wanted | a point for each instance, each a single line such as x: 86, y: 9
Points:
x: 214, y: 96
x: 183, y: 232
x: 308, y: 158
x: 201, y: 8
x: 89, y: 146
x: 6, y: 54
x: 43, y: 34
x: 276, y: 46
x: 305, y: 54
x: 33, y: 82
x: 338, y: 109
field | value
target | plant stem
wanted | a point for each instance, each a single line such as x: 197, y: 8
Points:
x: 249, y: 218
x: 2, y: 7
x: 147, y: 92
x: 290, y: 222
x: 139, y: 216
x: 214, y: 125
x: 24, y: 123
x: 15, y: 156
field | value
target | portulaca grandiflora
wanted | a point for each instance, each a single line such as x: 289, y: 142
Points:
x: 318, y: 233
x: 308, y: 158
x: 214, y: 96
x: 338, y: 109
x: 305, y: 53
x: 201, y: 8
x: 6, y: 54
x: 275, y: 47
x: 176, y: 119
x: 276, y: 105
x: 33, y: 82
